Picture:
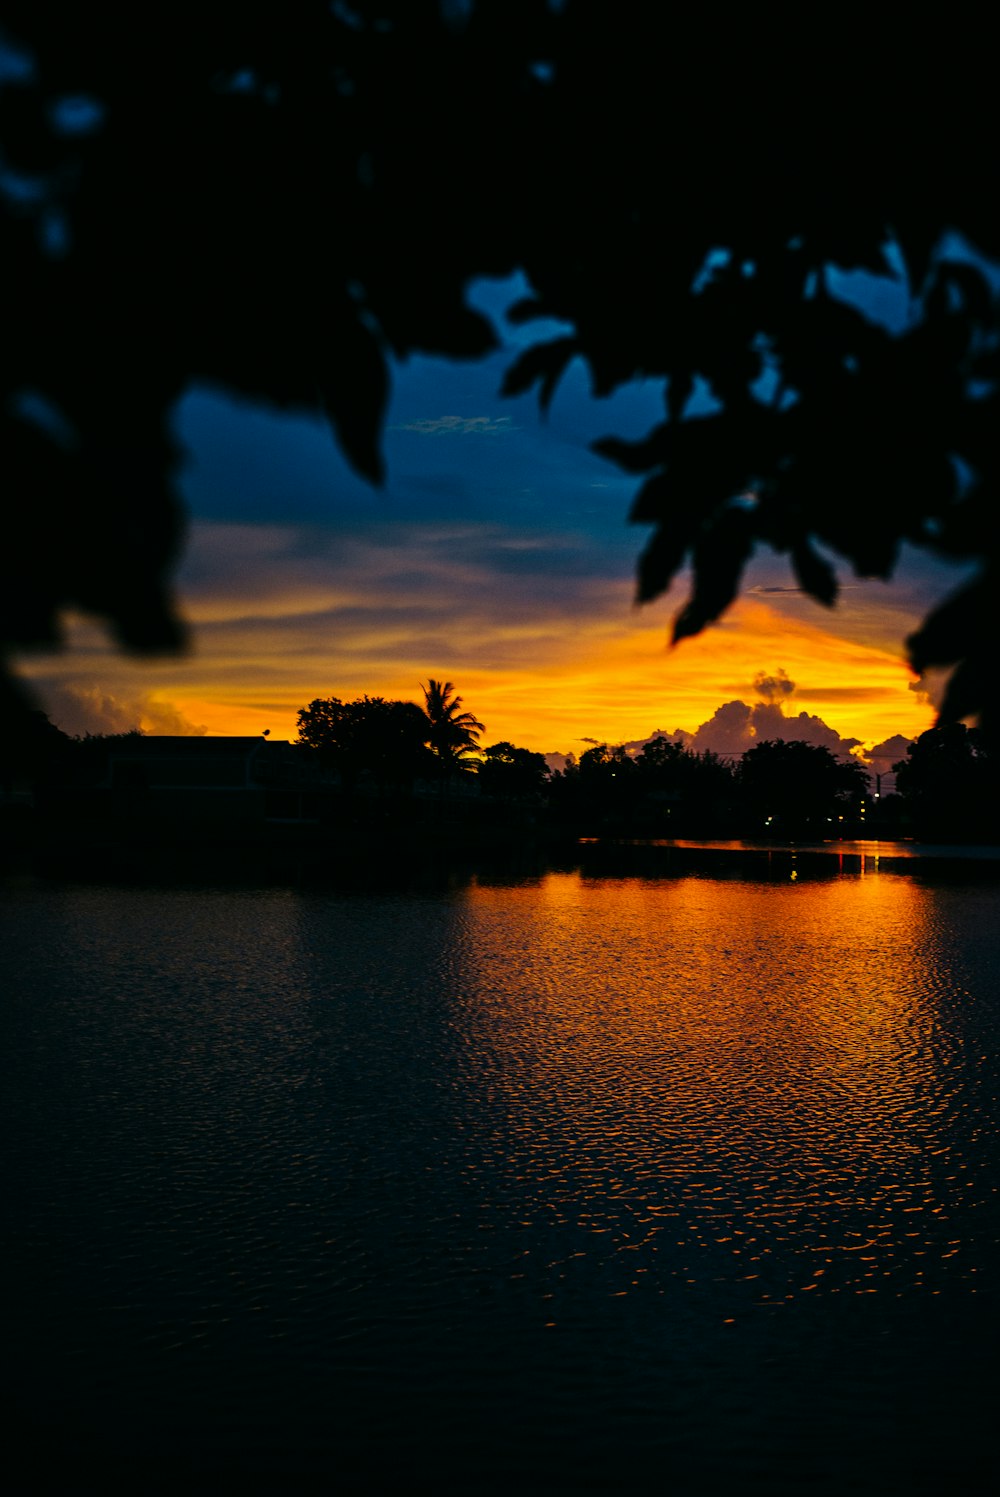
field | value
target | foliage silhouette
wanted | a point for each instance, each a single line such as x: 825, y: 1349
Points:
x: 32, y: 749
x: 279, y: 199
x: 508, y: 773
x: 451, y: 733
x: 792, y: 786
x: 950, y: 785
x: 387, y: 740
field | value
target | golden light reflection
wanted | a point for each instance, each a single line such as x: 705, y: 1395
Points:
x: 714, y: 1077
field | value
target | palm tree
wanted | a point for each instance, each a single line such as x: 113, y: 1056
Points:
x: 452, y: 733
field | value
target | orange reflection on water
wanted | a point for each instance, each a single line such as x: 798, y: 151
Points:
x: 752, y: 1073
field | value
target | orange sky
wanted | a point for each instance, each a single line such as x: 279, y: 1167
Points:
x: 547, y: 679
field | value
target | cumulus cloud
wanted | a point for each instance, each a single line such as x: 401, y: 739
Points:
x: 636, y: 745
x: 736, y: 726
x: 890, y: 750
x: 883, y: 756
x: 447, y: 426
x: 79, y: 710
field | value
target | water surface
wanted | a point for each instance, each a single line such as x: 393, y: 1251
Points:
x: 562, y: 1183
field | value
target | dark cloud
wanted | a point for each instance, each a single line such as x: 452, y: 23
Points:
x: 773, y: 688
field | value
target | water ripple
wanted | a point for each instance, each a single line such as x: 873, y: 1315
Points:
x: 613, y: 1162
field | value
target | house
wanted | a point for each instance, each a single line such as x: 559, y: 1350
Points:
x: 218, y: 779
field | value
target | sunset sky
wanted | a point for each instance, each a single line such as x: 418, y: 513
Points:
x: 498, y: 556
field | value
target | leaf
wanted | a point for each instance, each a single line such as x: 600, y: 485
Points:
x: 720, y: 557
x: 815, y: 574
x: 354, y: 396
x: 542, y: 363
x: 660, y: 561
x: 679, y: 388
x: 465, y: 333
x: 651, y: 504
x: 972, y: 286
x: 948, y: 631
x: 969, y: 686
x: 528, y: 309
x: 634, y: 457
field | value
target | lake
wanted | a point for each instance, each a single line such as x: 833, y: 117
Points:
x: 554, y: 1183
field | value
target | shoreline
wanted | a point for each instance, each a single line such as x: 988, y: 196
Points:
x: 874, y: 847
x: 372, y: 858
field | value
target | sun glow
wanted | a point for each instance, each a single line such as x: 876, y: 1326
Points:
x: 610, y: 677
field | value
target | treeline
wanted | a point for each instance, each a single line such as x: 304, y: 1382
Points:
x: 397, y: 753
x: 774, y: 789
x: 947, y: 788
x: 787, y: 789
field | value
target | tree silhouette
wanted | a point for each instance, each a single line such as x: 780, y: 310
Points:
x: 451, y: 733
x: 791, y: 786
x: 950, y: 784
x: 31, y: 751
x: 508, y: 773
x: 281, y: 198
x: 698, y: 788
x: 385, y: 739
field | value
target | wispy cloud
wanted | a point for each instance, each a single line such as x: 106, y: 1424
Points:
x: 449, y: 426
x: 536, y: 628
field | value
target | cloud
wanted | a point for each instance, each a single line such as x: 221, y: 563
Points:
x: 79, y: 710
x: 558, y: 762
x: 448, y: 426
x: 737, y: 726
x: 246, y: 574
x: 545, y: 653
x: 728, y: 731
x: 773, y: 688
x: 932, y: 686
x: 677, y: 736
x: 882, y: 756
